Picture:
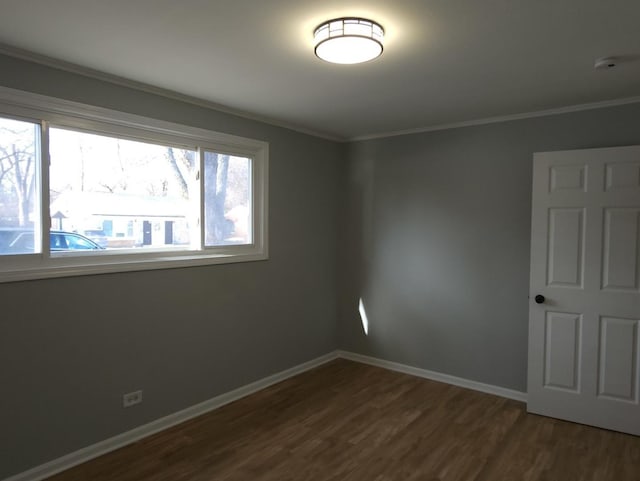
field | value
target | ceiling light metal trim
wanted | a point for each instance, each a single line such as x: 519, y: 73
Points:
x: 348, y: 40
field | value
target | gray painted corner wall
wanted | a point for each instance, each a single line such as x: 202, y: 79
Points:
x: 431, y: 230
x: 435, y: 238
x: 69, y: 348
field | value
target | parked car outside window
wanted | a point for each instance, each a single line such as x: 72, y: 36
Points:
x: 21, y: 241
x: 98, y: 236
x: 70, y: 241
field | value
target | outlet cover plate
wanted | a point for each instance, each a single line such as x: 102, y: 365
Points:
x: 131, y: 398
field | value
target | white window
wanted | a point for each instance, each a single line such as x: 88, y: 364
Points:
x: 86, y: 190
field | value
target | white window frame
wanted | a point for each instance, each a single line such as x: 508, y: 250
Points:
x: 47, y: 111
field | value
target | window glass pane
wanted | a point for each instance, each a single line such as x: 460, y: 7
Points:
x: 227, y: 199
x: 19, y: 196
x: 118, y: 193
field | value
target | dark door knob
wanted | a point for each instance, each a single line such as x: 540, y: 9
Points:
x: 539, y: 299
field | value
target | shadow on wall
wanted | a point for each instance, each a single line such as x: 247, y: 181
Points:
x: 356, y: 232
x: 434, y: 247
x: 384, y: 263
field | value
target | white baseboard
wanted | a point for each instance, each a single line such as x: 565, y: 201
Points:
x: 103, y: 447
x: 85, y: 454
x: 436, y: 376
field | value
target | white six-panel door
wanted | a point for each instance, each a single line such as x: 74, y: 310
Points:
x: 584, y: 344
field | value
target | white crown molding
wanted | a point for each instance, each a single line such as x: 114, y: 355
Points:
x: 22, y: 54
x: 499, y: 119
x: 435, y: 376
x: 103, y: 447
x: 16, y: 52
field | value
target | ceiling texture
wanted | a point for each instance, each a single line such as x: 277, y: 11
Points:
x: 445, y: 61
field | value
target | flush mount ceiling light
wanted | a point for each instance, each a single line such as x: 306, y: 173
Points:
x: 348, y: 40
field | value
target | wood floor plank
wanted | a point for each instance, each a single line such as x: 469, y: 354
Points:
x: 352, y: 422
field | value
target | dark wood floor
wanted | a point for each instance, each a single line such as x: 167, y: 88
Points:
x: 351, y: 422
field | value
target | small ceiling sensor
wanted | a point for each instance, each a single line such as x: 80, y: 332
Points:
x: 606, y: 63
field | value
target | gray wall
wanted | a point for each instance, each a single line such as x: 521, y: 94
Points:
x: 69, y: 348
x: 435, y: 239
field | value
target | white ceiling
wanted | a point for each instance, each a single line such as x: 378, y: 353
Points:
x: 445, y: 61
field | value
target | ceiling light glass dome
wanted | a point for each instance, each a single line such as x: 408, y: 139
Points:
x: 348, y: 40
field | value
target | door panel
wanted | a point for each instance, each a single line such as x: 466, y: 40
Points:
x: 566, y: 240
x: 585, y: 260
x: 568, y: 178
x: 621, y: 246
x: 623, y: 175
x: 562, y: 350
x: 618, y: 359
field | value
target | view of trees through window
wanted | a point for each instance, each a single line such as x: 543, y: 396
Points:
x: 227, y: 203
x: 18, y: 168
x: 120, y: 193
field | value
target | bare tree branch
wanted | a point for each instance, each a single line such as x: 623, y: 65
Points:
x: 178, y: 175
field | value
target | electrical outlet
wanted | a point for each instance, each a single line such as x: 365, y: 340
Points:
x: 131, y: 398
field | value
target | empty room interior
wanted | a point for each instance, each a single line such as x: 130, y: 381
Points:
x: 338, y: 240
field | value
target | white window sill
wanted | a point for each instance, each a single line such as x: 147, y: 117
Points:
x: 104, y: 264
